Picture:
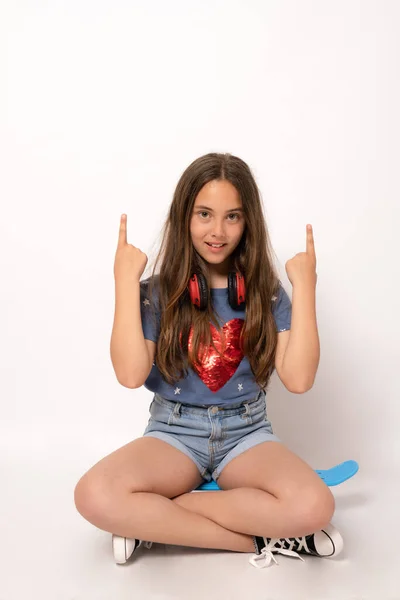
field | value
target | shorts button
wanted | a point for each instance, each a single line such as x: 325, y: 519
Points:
x: 214, y: 410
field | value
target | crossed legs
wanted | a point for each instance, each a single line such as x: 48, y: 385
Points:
x: 142, y: 490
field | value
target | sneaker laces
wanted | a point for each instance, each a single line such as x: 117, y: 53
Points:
x: 282, y: 546
x: 140, y: 543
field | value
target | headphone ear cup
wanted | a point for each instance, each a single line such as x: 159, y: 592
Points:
x: 236, y: 291
x: 203, y: 291
x: 198, y: 290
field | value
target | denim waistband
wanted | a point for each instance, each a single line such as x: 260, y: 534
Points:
x: 201, y: 409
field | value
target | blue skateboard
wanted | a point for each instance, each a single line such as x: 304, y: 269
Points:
x: 334, y: 476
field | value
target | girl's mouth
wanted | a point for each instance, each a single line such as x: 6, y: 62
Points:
x: 215, y: 248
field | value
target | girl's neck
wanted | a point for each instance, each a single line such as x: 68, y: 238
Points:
x: 220, y: 282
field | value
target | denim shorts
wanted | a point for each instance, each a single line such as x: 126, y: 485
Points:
x: 210, y: 435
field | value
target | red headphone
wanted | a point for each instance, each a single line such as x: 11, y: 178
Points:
x: 236, y: 290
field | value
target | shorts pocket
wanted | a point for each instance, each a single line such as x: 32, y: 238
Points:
x: 160, y: 412
x: 258, y: 411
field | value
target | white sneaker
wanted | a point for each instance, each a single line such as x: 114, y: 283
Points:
x: 326, y: 543
x: 123, y: 547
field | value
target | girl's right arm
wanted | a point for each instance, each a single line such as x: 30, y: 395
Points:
x: 129, y: 352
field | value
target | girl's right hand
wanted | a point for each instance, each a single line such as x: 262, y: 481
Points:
x: 130, y: 262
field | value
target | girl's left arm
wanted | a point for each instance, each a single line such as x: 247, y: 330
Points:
x: 301, y: 359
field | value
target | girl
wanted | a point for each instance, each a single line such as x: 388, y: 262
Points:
x: 204, y: 334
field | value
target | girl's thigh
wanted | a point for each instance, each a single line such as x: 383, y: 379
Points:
x: 272, y: 467
x: 146, y: 464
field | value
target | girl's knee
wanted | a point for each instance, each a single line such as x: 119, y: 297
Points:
x: 91, y: 499
x: 316, y: 508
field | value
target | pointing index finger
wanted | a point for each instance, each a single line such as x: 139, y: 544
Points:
x: 310, y: 248
x: 122, y: 239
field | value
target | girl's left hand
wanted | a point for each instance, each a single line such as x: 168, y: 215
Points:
x: 301, y: 268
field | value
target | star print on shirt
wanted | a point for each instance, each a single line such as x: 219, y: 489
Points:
x: 240, y: 387
x: 146, y: 302
x: 177, y: 391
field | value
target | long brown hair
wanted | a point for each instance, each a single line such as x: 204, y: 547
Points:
x: 179, y: 260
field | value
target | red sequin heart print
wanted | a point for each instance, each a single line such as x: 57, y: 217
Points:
x: 213, y: 370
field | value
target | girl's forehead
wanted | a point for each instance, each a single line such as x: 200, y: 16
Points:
x: 218, y: 191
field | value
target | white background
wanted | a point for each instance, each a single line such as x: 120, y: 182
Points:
x: 102, y: 107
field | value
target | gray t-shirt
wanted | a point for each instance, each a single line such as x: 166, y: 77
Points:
x: 215, y: 383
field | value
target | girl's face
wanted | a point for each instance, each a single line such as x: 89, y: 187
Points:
x: 217, y: 218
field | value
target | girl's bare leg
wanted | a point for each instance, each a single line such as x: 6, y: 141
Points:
x: 128, y: 493
x: 269, y: 492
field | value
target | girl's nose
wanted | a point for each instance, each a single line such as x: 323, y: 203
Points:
x: 218, y: 231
